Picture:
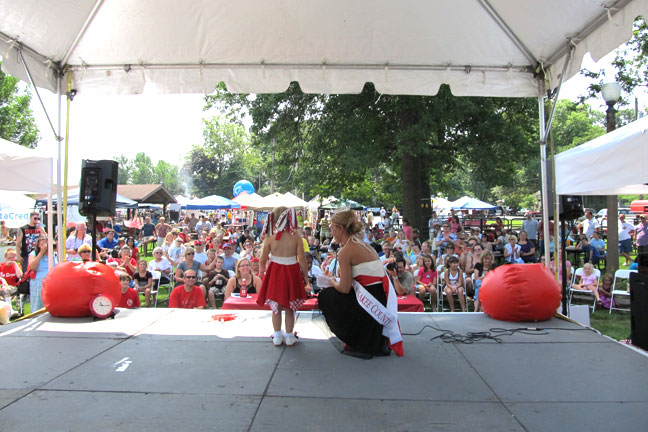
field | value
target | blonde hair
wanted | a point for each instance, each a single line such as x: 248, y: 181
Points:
x: 348, y: 221
x: 84, y: 247
x: 589, y: 267
x: 237, y: 274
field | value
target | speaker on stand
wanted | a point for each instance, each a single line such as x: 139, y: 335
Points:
x: 98, y: 192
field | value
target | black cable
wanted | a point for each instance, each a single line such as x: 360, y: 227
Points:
x: 494, y: 334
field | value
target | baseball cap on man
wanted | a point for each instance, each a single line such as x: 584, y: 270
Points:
x: 198, y: 243
x: 227, y: 245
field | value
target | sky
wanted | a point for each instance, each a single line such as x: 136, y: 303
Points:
x: 165, y: 127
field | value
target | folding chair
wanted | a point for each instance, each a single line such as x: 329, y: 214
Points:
x: 621, y: 274
x: 155, y: 289
x: 585, y: 292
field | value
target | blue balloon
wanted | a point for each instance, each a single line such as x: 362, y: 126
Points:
x: 243, y: 186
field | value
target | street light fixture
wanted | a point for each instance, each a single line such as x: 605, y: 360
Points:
x: 611, y: 94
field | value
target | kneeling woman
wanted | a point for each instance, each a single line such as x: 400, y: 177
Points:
x: 361, y: 308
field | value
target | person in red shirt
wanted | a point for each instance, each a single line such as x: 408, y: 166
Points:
x: 10, y: 271
x: 125, y: 262
x: 189, y: 295
x: 129, y: 296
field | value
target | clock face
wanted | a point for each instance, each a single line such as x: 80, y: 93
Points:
x: 101, y: 306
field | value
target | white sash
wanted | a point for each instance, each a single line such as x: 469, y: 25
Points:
x: 386, y: 316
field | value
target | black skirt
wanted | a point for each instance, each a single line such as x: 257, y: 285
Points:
x: 350, y: 322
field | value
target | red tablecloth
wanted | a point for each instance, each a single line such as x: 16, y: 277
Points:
x: 410, y: 303
x: 251, y: 304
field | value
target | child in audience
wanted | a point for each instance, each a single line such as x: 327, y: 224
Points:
x: 129, y: 296
x: 588, y: 282
x: 454, y: 283
x: 605, y: 291
x: 426, y: 278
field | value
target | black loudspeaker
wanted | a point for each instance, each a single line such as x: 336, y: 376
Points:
x: 638, y: 308
x: 570, y: 206
x: 98, y: 190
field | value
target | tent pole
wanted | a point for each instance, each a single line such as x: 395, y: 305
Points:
x: 543, y: 176
x: 59, y: 205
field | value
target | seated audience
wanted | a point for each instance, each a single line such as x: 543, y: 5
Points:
x: 160, y: 264
x: 217, y: 281
x: 587, y: 281
x: 243, y: 277
x: 485, y: 263
x: 605, y: 291
x: 426, y: 278
x: 454, y: 284
x: 188, y: 295
x: 527, y: 249
x: 129, y: 296
x: 512, y: 251
x: 144, y: 281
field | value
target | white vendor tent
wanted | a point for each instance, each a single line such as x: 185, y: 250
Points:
x: 612, y: 164
x: 24, y: 169
x: 15, y: 208
x: 516, y: 48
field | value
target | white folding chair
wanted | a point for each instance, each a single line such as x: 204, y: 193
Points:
x: 157, y: 284
x: 585, y: 292
x: 441, y: 292
x: 623, y: 293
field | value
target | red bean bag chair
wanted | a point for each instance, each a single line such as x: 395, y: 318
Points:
x: 70, y: 285
x: 520, y: 292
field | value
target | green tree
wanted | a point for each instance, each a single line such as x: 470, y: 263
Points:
x: 575, y: 124
x: 221, y: 160
x: 17, y: 122
x: 167, y: 174
x: 125, y: 168
x: 405, y: 146
x: 142, y: 169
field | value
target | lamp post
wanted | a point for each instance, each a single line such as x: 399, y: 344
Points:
x: 611, y: 94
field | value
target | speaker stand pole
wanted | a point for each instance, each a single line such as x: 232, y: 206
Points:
x: 563, y: 265
x: 94, y: 236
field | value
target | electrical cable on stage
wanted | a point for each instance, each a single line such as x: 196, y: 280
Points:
x: 494, y: 334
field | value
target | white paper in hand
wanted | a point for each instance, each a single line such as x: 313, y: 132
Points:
x: 324, y: 281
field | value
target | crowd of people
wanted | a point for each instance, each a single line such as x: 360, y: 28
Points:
x: 204, y: 257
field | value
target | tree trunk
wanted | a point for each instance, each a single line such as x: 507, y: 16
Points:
x: 416, y: 191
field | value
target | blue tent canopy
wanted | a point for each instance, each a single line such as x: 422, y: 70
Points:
x: 212, y: 202
x: 467, y: 203
x: 73, y: 199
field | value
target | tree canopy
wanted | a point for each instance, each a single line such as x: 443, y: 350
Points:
x: 17, y: 122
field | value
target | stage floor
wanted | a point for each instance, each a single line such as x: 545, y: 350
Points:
x: 170, y: 370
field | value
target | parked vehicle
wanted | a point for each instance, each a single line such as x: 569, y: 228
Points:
x: 601, y: 216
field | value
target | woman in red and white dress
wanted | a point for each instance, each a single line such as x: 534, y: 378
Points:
x: 361, y: 307
x: 284, y: 279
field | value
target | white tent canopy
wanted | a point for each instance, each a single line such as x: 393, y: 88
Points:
x: 612, y: 164
x: 332, y: 46
x: 24, y: 169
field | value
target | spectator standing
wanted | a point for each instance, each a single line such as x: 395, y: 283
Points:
x: 39, y: 263
x: 395, y: 217
x: 203, y: 225
x: 530, y: 227
x: 77, y: 238
x: 641, y: 234
x: 27, y: 237
x: 162, y: 229
x: 432, y: 222
x: 626, y: 231
x: 149, y: 235
x: 589, y: 225
x: 193, y: 220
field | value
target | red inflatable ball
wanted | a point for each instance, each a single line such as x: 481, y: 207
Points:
x: 70, y: 285
x: 520, y: 292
